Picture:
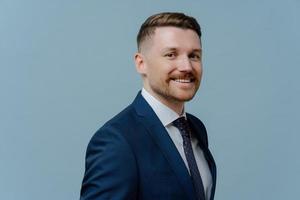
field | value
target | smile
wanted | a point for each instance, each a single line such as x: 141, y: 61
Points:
x: 184, y: 80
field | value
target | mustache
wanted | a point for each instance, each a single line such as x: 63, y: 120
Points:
x: 184, y: 76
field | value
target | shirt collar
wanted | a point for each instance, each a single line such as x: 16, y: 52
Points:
x: 165, y: 114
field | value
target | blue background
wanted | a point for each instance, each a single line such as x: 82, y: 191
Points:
x: 66, y: 67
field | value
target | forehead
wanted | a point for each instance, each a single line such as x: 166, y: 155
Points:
x: 174, y: 37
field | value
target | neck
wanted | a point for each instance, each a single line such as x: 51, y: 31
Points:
x: 176, y: 106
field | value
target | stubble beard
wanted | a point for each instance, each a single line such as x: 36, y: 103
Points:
x: 167, y: 94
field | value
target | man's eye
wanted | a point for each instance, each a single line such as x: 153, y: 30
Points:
x: 195, y: 57
x: 170, y: 55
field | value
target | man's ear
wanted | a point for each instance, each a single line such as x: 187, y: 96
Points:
x: 140, y: 64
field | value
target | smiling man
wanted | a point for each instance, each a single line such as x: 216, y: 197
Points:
x: 153, y: 149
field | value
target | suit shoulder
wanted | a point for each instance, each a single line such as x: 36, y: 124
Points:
x: 123, y: 119
x: 118, y: 124
x: 112, y: 134
x: 105, y: 172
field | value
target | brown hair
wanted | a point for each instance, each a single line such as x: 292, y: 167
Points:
x: 175, y: 19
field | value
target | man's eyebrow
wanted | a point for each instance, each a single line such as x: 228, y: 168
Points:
x: 197, y: 50
x: 175, y: 48
x: 169, y: 49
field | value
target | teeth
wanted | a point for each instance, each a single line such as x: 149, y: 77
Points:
x: 183, y: 80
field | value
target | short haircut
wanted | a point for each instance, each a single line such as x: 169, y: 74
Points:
x: 164, y: 19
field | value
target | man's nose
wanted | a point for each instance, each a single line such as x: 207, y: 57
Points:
x: 184, y: 64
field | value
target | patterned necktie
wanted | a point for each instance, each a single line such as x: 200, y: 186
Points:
x: 183, y: 126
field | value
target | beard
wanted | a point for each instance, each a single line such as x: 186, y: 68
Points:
x: 168, y: 92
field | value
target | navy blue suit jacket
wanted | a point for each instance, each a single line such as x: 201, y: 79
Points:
x: 132, y: 157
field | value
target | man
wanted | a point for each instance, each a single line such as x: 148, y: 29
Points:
x: 153, y: 149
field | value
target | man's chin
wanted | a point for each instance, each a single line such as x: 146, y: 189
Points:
x: 184, y: 98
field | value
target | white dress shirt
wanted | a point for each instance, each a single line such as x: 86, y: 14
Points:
x: 166, y: 115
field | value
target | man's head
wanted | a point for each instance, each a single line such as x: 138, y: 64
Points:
x: 169, y: 57
x: 165, y: 19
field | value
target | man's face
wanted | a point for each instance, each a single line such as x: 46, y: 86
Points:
x: 172, y: 65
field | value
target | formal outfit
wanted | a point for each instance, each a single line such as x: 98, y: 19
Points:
x: 142, y: 153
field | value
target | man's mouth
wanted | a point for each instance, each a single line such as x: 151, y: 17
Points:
x: 179, y: 80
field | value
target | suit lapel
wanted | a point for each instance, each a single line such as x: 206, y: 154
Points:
x: 161, y: 137
x: 200, y: 133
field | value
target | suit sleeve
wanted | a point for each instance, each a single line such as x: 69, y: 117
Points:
x: 110, y: 168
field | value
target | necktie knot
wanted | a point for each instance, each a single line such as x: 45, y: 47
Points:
x: 182, y: 124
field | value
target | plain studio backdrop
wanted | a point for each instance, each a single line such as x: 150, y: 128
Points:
x: 66, y: 67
